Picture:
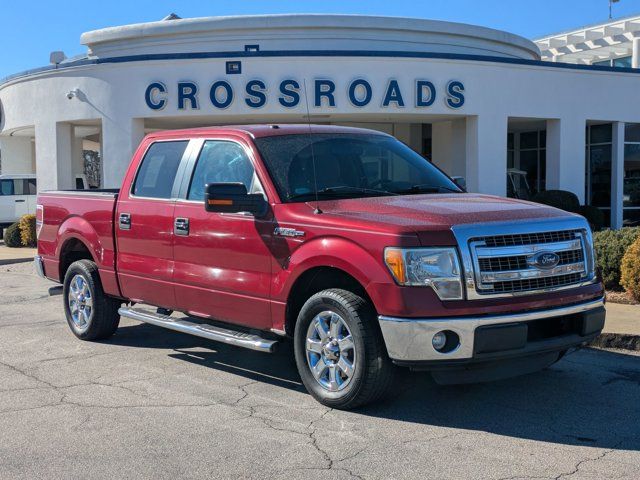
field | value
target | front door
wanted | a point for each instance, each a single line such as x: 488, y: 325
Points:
x: 222, y: 261
x: 144, y: 226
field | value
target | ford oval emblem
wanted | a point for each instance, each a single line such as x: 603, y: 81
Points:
x: 544, y: 260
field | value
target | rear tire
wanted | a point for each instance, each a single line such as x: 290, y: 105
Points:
x: 339, y: 350
x: 90, y: 313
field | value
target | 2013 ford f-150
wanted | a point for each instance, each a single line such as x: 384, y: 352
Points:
x: 345, y: 240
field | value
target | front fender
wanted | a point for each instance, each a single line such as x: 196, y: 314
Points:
x: 335, y: 252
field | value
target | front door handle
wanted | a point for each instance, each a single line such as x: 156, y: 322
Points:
x: 181, y: 226
x: 124, y: 221
x: 19, y: 201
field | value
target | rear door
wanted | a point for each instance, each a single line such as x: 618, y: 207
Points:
x: 222, y: 261
x: 144, y: 224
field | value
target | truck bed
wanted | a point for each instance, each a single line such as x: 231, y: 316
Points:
x: 76, y: 220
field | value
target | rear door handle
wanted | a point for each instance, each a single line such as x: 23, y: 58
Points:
x: 20, y: 201
x: 181, y: 226
x: 124, y: 221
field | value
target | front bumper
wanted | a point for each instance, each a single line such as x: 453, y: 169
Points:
x: 486, y: 338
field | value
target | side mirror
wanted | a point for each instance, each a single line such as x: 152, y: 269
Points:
x: 460, y: 181
x: 233, y: 198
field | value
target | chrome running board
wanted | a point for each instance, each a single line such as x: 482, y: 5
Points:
x: 210, y: 332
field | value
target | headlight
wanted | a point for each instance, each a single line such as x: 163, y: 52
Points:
x: 437, y: 268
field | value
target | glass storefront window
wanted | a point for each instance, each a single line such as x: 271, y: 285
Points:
x: 624, y: 62
x: 600, y: 173
x: 600, y: 133
x: 529, y: 140
x: 631, y: 182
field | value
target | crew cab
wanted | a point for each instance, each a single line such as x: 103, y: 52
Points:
x: 345, y: 241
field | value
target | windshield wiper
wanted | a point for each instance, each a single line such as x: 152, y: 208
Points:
x: 334, y: 191
x: 428, y: 188
x: 355, y: 189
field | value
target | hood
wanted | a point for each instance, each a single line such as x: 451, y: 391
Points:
x: 438, y: 211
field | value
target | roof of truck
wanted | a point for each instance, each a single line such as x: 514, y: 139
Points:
x: 267, y: 130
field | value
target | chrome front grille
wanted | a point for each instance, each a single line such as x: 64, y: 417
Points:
x: 529, y: 238
x: 519, y: 262
x: 506, y: 263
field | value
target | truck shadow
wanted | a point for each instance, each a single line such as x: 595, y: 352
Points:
x: 590, y: 398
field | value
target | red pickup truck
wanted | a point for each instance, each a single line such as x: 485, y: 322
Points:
x: 344, y: 240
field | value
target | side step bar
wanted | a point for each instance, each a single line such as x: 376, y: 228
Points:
x: 211, y: 332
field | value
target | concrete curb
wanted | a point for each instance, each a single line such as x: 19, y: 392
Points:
x: 10, y: 261
x: 622, y: 341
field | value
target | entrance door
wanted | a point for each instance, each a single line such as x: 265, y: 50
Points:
x: 144, y: 223
x: 222, y: 261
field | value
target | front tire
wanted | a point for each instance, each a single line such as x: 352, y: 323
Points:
x: 339, y: 350
x: 90, y: 313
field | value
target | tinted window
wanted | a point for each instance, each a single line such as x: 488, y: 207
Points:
x: 347, y: 166
x: 158, y: 170
x: 31, y: 186
x: 6, y: 187
x: 222, y: 162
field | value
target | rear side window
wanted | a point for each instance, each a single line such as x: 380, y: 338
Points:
x: 158, y: 170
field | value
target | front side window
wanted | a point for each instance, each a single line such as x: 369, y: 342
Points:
x: 158, y: 170
x: 222, y: 162
x: 339, y: 165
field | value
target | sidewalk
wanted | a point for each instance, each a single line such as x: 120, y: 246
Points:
x: 15, y: 255
x: 622, y: 327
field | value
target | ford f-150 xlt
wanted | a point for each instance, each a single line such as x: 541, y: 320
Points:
x: 344, y: 240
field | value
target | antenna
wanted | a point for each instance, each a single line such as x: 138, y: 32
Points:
x: 313, y: 156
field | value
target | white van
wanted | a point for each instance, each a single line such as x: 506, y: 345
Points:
x: 18, y: 196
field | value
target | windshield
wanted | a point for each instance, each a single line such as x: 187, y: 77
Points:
x: 347, y: 166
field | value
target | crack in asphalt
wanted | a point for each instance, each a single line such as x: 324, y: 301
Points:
x: 577, y: 466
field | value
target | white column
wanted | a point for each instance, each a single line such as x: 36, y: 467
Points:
x: 635, y: 53
x: 120, y: 138
x: 441, y: 146
x: 53, y: 156
x: 486, y: 154
x: 77, y: 157
x: 566, y: 141
x: 448, y: 141
x: 617, y: 174
x: 17, y: 154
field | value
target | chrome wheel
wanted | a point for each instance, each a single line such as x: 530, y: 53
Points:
x: 331, y: 353
x: 80, y: 302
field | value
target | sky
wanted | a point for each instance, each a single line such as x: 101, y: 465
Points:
x: 30, y: 29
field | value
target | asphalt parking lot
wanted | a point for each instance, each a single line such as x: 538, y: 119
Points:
x: 150, y: 403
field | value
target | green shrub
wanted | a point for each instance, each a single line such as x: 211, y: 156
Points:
x: 594, y: 216
x: 558, y: 198
x: 12, y: 236
x: 610, y: 246
x: 27, y: 225
x: 630, y: 270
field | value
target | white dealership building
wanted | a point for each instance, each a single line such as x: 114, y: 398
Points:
x: 564, y: 110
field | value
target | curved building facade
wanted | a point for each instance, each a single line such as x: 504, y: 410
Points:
x: 476, y: 101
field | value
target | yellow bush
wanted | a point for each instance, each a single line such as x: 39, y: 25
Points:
x: 27, y: 226
x: 630, y: 270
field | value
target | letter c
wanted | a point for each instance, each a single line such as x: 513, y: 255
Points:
x: 152, y: 96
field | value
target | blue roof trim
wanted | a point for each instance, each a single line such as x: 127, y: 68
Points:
x: 316, y: 53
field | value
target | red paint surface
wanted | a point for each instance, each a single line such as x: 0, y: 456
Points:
x: 232, y: 267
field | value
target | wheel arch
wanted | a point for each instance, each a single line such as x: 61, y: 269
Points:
x: 314, y: 280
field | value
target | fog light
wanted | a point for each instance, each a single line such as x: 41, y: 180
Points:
x: 439, y: 340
